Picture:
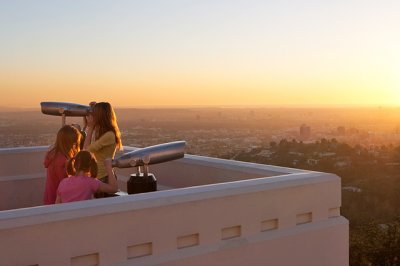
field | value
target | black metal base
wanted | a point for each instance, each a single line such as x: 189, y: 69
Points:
x: 140, y: 183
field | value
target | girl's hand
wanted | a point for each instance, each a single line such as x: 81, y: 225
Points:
x: 112, y: 185
x: 108, y: 163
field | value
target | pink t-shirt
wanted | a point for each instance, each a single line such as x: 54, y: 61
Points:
x: 76, y: 188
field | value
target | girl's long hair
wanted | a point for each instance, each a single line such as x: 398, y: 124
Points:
x: 67, y: 142
x: 105, y: 120
x: 84, y: 161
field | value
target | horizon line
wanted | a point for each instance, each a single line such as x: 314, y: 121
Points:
x: 233, y: 106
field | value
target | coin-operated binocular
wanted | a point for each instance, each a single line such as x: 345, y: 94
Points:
x: 65, y: 109
x: 143, y: 181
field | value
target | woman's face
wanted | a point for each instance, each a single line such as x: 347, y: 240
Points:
x: 90, y: 119
x: 95, y: 113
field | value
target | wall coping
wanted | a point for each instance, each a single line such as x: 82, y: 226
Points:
x: 67, y: 211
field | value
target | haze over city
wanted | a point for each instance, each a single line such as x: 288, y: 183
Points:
x: 200, y: 53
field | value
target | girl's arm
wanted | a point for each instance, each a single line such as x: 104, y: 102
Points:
x: 58, y: 199
x: 112, y: 185
x: 61, y: 169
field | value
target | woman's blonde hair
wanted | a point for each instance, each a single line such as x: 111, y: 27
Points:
x: 84, y: 161
x: 105, y: 120
x: 67, y: 142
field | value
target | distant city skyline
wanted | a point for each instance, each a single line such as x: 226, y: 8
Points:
x: 200, y: 53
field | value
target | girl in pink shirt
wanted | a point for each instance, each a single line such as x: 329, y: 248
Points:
x: 82, y: 183
x: 66, y: 146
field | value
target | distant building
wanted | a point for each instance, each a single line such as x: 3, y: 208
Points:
x: 265, y: 153
x: 326, y: 154
x: 392, y: 164
x: 352, y: 189
x: 342, y: 164
x: 353, y: 131
x: 305, y: 132
x: 312, y: 161
x: 296, y: 153
x: 341, y: 131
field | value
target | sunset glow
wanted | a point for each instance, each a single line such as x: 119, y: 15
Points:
x: 201, y: 53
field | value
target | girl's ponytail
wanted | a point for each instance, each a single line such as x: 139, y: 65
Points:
x: 71, y: 166
x: 93, y: 167
x: 83, y: 161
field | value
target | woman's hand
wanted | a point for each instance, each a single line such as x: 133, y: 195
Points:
x: 89, y: 131
x: 90, y: 121
x: 84, y: 119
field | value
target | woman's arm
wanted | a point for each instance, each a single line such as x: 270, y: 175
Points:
x: 112, y: 185
x: 89, y: 132
x: 84, y: 119
x: 88, y: 139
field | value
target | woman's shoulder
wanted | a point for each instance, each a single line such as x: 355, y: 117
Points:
x: 109, y: 135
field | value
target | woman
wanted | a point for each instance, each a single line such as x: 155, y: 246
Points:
x: 102, y: 126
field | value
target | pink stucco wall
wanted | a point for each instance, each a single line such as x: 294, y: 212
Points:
x: 290, y: 217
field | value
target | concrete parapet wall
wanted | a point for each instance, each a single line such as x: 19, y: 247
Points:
x: 288, y: 218
x: 22, y: 174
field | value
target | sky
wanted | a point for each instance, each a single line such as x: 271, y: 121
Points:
x: 200, y: 53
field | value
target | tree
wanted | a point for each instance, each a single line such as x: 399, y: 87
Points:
x: 376, y: 244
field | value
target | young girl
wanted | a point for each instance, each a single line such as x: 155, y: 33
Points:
x: 107, y: 138
x: 82, y: 183
x: 66, y: 146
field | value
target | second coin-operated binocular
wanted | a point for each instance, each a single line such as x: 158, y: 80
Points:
x: 64, y: 109
x: 141, y: 182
